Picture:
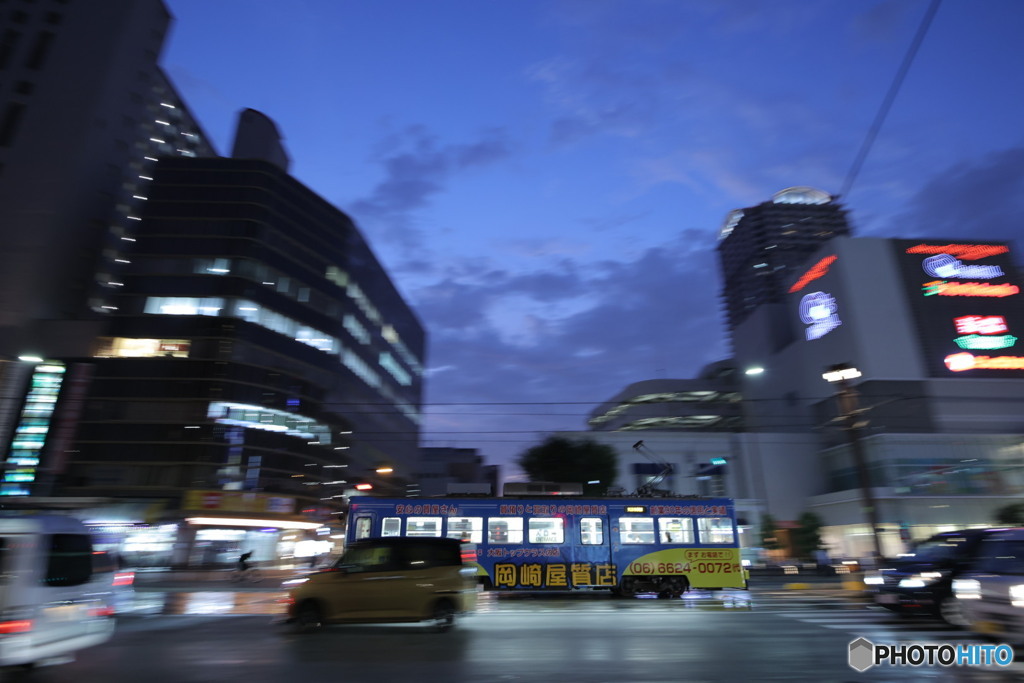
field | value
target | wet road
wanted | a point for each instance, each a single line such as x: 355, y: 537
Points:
x: 204, y: 636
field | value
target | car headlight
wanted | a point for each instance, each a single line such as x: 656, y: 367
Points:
x: 920, y: 580
x: 874, y: 579
x: 1017, y: 595
x: 967, y: 589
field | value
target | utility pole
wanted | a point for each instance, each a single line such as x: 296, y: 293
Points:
x: 851, y: 419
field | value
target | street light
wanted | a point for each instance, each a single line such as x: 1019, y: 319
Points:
x: 847, y: 397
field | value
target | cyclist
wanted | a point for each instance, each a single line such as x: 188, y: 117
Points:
x: 243, y: 563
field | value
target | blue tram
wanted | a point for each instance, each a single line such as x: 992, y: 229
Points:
x: 626, y: 545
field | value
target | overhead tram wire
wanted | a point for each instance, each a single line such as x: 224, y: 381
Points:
x: 890, y: 97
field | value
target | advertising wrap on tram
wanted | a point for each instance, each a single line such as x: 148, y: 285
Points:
x: 626, y: 545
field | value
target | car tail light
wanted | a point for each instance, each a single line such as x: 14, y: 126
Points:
x: 15, y: 626
x: 105, y: 611
x: 124, y: 578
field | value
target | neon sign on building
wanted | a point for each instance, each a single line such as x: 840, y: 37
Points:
x: 983, y: 332
x: 974, y: 285
x: 946, y: 266
x: 813, y: 273
x: 959, y: 362
x: 971, y: 252
x: 33, y: 427
x: 819, y: 311
x: 984, y: 289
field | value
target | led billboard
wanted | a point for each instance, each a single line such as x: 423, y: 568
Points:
x: 967, y: 305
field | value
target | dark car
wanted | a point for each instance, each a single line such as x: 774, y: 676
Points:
x: 921, y: 582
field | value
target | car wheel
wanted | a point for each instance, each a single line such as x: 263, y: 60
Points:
x: 307, y: 618
x: 443, y: 616
x: 952, y: 612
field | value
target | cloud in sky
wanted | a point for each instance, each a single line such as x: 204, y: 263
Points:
x: 593, y: 329
x: 975, y: 198
x: 416, y: 168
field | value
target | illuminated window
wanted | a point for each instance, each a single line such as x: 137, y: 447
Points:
x: 423, y: 526
x: 546, y: 530
x: 636, y: 530
x: 388, y: 362
x: 356, y: 329
x: 213, y: 266
x: 505, y: 530
x: 364, y: 527
x: 591, y: 531
x: 715, y: 529
x: 675, y: 530
x: 391, y: 526
x: 466, y: 528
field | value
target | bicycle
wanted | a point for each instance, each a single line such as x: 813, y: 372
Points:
x: 250, y: 575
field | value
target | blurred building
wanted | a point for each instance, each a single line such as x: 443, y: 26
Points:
x: 931, y: 325
x: 758, y: 247
x: 203, y: 341
x: 444, y: 470
x: 85, y: 110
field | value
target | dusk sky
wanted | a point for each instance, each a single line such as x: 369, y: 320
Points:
x: 545, y: 179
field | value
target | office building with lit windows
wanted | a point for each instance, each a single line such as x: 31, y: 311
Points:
x: 79, y: 129
x: 202, y: 343
x: 257, y: 348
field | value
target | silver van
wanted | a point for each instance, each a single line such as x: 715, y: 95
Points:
x: 52, y: 604
x: 991, y: 591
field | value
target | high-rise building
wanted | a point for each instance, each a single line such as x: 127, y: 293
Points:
x: 257, y: 345
x: 758, y: 247
x: 194, y: 338
x: 84, y: 111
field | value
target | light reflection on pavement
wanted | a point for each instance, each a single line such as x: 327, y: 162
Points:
x: 209, y: 603
x: 694, y: 599
x: 271, y: 602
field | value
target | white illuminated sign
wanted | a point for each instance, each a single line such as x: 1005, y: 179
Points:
x: 946, y: 266
x: 818, y: 311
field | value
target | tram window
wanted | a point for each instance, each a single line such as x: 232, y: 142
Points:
x: 634, y: 530
x: 364, y: 526
x: 675, y: 529
x: 466, y: 528
x: 505, y: 530
x: 546, y: 530
x: 591, y: 531
x: 391, y: 526
x: 715, y: 529
x: 423, y: 526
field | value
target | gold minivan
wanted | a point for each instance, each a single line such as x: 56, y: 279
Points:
x: 394, y: 579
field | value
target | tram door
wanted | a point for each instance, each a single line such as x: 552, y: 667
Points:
x: 591, y: 551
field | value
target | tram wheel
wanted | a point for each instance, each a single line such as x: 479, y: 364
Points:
x: 627, y: 587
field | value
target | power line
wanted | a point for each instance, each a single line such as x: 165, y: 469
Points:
x: 890, y: 96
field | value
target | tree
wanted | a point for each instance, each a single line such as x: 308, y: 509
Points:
x: 563, y: 460
x: 769, y: 533
x: 807, y: 535
x: 1012, y: 514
